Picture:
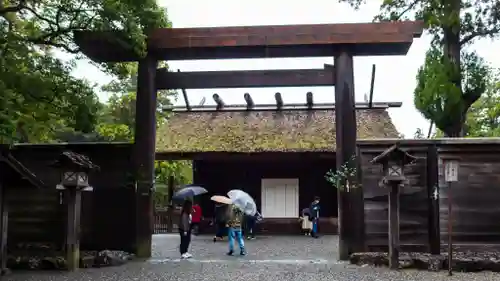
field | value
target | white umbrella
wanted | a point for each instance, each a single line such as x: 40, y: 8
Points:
x: 243, y: 201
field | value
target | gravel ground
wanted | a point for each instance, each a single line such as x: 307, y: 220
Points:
x: 270, y: 258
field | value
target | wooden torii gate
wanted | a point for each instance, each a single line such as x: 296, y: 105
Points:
x: 340, y: 41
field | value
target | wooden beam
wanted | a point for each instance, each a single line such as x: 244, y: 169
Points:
x: 313, y: 40
x: 433, y: 223
x: 184, y: 93
x: 372, y: 85
x: 284, y: 35
x: 244, y: 78
x: 249, y: 100
x: 218, y: 100
x: 4, y: 225
x: 279, y: 106
x: 309, y: 100
x: 394, y: 245
x: 279, y: 101
x: 73, y: 216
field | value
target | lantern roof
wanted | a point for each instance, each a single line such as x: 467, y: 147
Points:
x: 73, y: 160
x: 394, y: 153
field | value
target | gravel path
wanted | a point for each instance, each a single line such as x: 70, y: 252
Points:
x: 270, y: 258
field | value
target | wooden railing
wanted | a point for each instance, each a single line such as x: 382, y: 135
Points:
x: 165, y: 221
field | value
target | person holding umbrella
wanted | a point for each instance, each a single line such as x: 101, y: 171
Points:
x: 188, y: 192
x: 221, y: 215
x: 220, y: 221
x: 234, y: 224
x: 185, y: 229
x: 250, y: 222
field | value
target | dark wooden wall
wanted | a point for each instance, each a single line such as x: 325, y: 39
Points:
x: 107, y: 212
x: 221, y: 176
x: 413, y: 199
x: 475, y: 197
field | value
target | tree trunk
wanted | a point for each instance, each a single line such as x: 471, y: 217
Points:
x: 451, y: 51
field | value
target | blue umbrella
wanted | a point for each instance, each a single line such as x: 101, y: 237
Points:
x: 189, y: 191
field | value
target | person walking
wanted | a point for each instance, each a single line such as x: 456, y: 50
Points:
x: 234, y: 232
x: 185, y: 229
x: 314, y: 213
x: 197, y: 215
x: 250, y: 222
x: 220, y: 221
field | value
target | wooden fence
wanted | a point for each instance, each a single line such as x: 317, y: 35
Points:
x: 164, y: 221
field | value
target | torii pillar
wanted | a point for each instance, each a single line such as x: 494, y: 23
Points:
x: 350, y: 202
x: 144, y: 154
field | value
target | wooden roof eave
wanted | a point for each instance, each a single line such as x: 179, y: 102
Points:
x: 22, y: 170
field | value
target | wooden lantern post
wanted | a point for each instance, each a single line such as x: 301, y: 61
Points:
x: 74, y: 179
x: 393, y: 161
x: 450, y: 175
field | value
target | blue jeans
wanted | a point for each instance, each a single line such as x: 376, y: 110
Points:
x: 315, y: 227
x: 235, y: 233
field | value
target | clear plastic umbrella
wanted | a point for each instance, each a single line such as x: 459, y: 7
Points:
x: 243, y: 201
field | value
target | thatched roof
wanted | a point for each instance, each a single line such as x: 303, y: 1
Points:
x: 264, y: 131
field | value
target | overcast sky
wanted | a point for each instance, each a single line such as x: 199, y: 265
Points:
x: 395, y: 77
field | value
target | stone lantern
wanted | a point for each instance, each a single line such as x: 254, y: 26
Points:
x: 74, y: 170
x: 393, y: 161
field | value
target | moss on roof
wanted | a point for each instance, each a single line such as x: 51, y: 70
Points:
x: 264, y: 131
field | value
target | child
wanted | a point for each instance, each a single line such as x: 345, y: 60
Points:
x: 234, y: 224
x: 306, y: 222
x: 185, y: 229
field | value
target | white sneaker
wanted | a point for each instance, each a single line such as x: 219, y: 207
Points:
x: 188, y: 255
x: 183, y: 256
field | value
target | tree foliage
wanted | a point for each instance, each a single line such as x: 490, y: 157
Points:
x: 40, y: 100
x: 483, y: 119
x: 117, y: 123
x: 454, y: 24
x: 440, y: 100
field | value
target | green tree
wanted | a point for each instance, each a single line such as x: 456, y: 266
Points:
x: 441, y: 101
x: 40, y: 98
x: 483, y: 118
x: 454, y: 25
x: 118, y: 123
x: 52, y: 23
x: 40, y: 101
x: 120, y: 108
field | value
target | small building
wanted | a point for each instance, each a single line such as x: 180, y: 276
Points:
x: 278, y: 157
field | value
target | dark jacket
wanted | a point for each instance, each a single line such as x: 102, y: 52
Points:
x: 314, y: 211
x: 253, y: 219
x: 184, y: 222
x: 221, y: 213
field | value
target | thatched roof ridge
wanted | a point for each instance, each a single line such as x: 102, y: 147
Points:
x: 265, y: 131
